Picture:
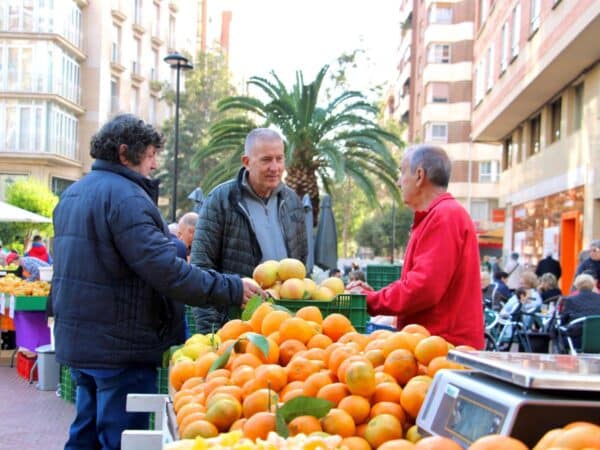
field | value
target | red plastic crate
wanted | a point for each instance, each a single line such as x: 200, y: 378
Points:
x: 24, y: 365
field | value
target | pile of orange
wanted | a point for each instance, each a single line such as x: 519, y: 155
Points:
x: 377, y: 382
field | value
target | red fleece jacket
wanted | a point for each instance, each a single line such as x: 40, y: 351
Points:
x: 440, y: 286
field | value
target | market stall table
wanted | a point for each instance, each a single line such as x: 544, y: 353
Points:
x: 522, y: 395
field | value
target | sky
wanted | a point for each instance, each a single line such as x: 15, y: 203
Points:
x: 288, y: 35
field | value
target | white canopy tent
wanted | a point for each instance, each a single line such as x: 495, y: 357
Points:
x: 10, y: 213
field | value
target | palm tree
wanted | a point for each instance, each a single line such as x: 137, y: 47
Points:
x: 326, y: 144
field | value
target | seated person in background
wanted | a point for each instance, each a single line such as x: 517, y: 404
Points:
x: 335, y: 273
x: 530, y: 304
x: 497, y: 292
x: 548, y: 286
x: 584, y: 303
x: 487, y: 288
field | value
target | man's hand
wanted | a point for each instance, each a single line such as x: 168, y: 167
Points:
x: 250, y: 290
x: 358, y: 287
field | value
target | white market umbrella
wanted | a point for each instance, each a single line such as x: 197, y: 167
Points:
x: 10, y: 213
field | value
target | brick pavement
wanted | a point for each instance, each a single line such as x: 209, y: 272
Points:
x: 31, y: 419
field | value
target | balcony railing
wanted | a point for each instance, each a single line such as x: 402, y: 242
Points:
x: 38, y: 84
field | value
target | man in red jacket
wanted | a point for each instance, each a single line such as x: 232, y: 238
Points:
x: 440, y: 286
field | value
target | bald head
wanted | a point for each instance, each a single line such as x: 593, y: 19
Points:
x: 187, y: 226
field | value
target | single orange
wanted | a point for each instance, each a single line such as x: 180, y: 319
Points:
x: 272, y: 376
x: 429, y: 348
x: 199, y: 428
x: 334, y: 392
x: 336, y: 325
x: 338, y: 421
x: 414, y: 328
x: 310, y: 313
x: 233, y: 329
x: 259, y: 425
x: 316, y: 381
x: 305, y: 425
x: 287, y: 349
x: 272, y: 321
x: 402, y: 365
x: 387, y: 392
x: 319, y: 341
x: 260, y: 400
x: 355, y: 443
x: 358, y: 407
x: 382, y: 428
x: 412, y: 397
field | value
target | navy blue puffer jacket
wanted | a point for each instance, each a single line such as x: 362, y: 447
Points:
x: 118, y: 287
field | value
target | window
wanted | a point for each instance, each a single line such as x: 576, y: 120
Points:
x: 171, y: 43
x: 488, y: 171
x: 507, y: 154
x: 578, y: 107
x: 534, y: 135
x: 555, y: 110
x: 480, y: 210
x: 154, y: 68
x: 63, y: 131
x: 516, y: 30
x: 490, y: 69
x: 483, y: 11
x: 152, y: 110
x: 439, y: 53
x: 116, y: 44
x: 534, y: 20
x: 479, y: 77
x: 6, y: 179
x: 60, y: 184
x: 504, y: 49
x: 440, y: 13
x: 137, y: 11
x: 438, y: 92
x: 436, y: 132
x: 114, y: 95
x: 21, y: 125
x: 134, y: 100
x: 135, y: 64
x: 156, y: 27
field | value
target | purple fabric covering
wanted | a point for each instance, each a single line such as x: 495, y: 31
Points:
x: 31, y: 329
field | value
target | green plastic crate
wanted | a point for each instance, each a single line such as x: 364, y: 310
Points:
x: 353, y: 306
x: 379, y: 276
x: 68, y: 386
x: 162, y: 380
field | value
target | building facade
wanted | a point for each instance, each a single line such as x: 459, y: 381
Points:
x: 537, y: 92
x: 67, y: 66
x: 432, y: 98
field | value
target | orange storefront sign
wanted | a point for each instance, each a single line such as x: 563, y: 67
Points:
x: 498, y: 215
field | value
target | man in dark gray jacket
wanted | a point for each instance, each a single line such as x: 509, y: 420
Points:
x: 252, y: 218
x: 118, y: 287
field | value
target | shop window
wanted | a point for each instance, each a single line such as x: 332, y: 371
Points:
x: 556, y: 111
x: 60, y: 184
x: 480, y: 210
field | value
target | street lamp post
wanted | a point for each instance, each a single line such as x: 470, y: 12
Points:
x: 178, y: 62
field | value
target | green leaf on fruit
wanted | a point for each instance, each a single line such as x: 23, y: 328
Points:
x: 253, y: 303
x: 281, y: 427
x: 304, y: 406
x: 260, y: 341
x: 221, y: 361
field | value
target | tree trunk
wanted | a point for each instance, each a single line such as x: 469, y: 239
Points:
x: 303, y: 180
x: 347, y: 214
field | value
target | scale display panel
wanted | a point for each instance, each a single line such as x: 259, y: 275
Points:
x: 536, y: 370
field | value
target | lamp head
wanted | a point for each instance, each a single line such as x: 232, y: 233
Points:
x: 175, y: 59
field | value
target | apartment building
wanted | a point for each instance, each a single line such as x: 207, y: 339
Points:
x: 67, y: 66
x: 433, y: 95
x: 537, y: 92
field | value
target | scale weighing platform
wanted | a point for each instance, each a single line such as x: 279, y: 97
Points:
x: 522, y: 395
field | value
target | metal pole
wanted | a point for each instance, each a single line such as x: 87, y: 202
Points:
x: 176, y: 151
x: 393, y: 229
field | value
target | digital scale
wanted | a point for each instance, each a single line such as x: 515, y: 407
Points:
x: 522, y: 395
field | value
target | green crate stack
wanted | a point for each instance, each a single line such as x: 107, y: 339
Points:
x: 189, y: 318
x: 162, y: 380
x: 353, y: 306
x: 379, y: 276
x: 67, y: 385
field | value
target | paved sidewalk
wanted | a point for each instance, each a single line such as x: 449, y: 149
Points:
x: 31, y: 419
